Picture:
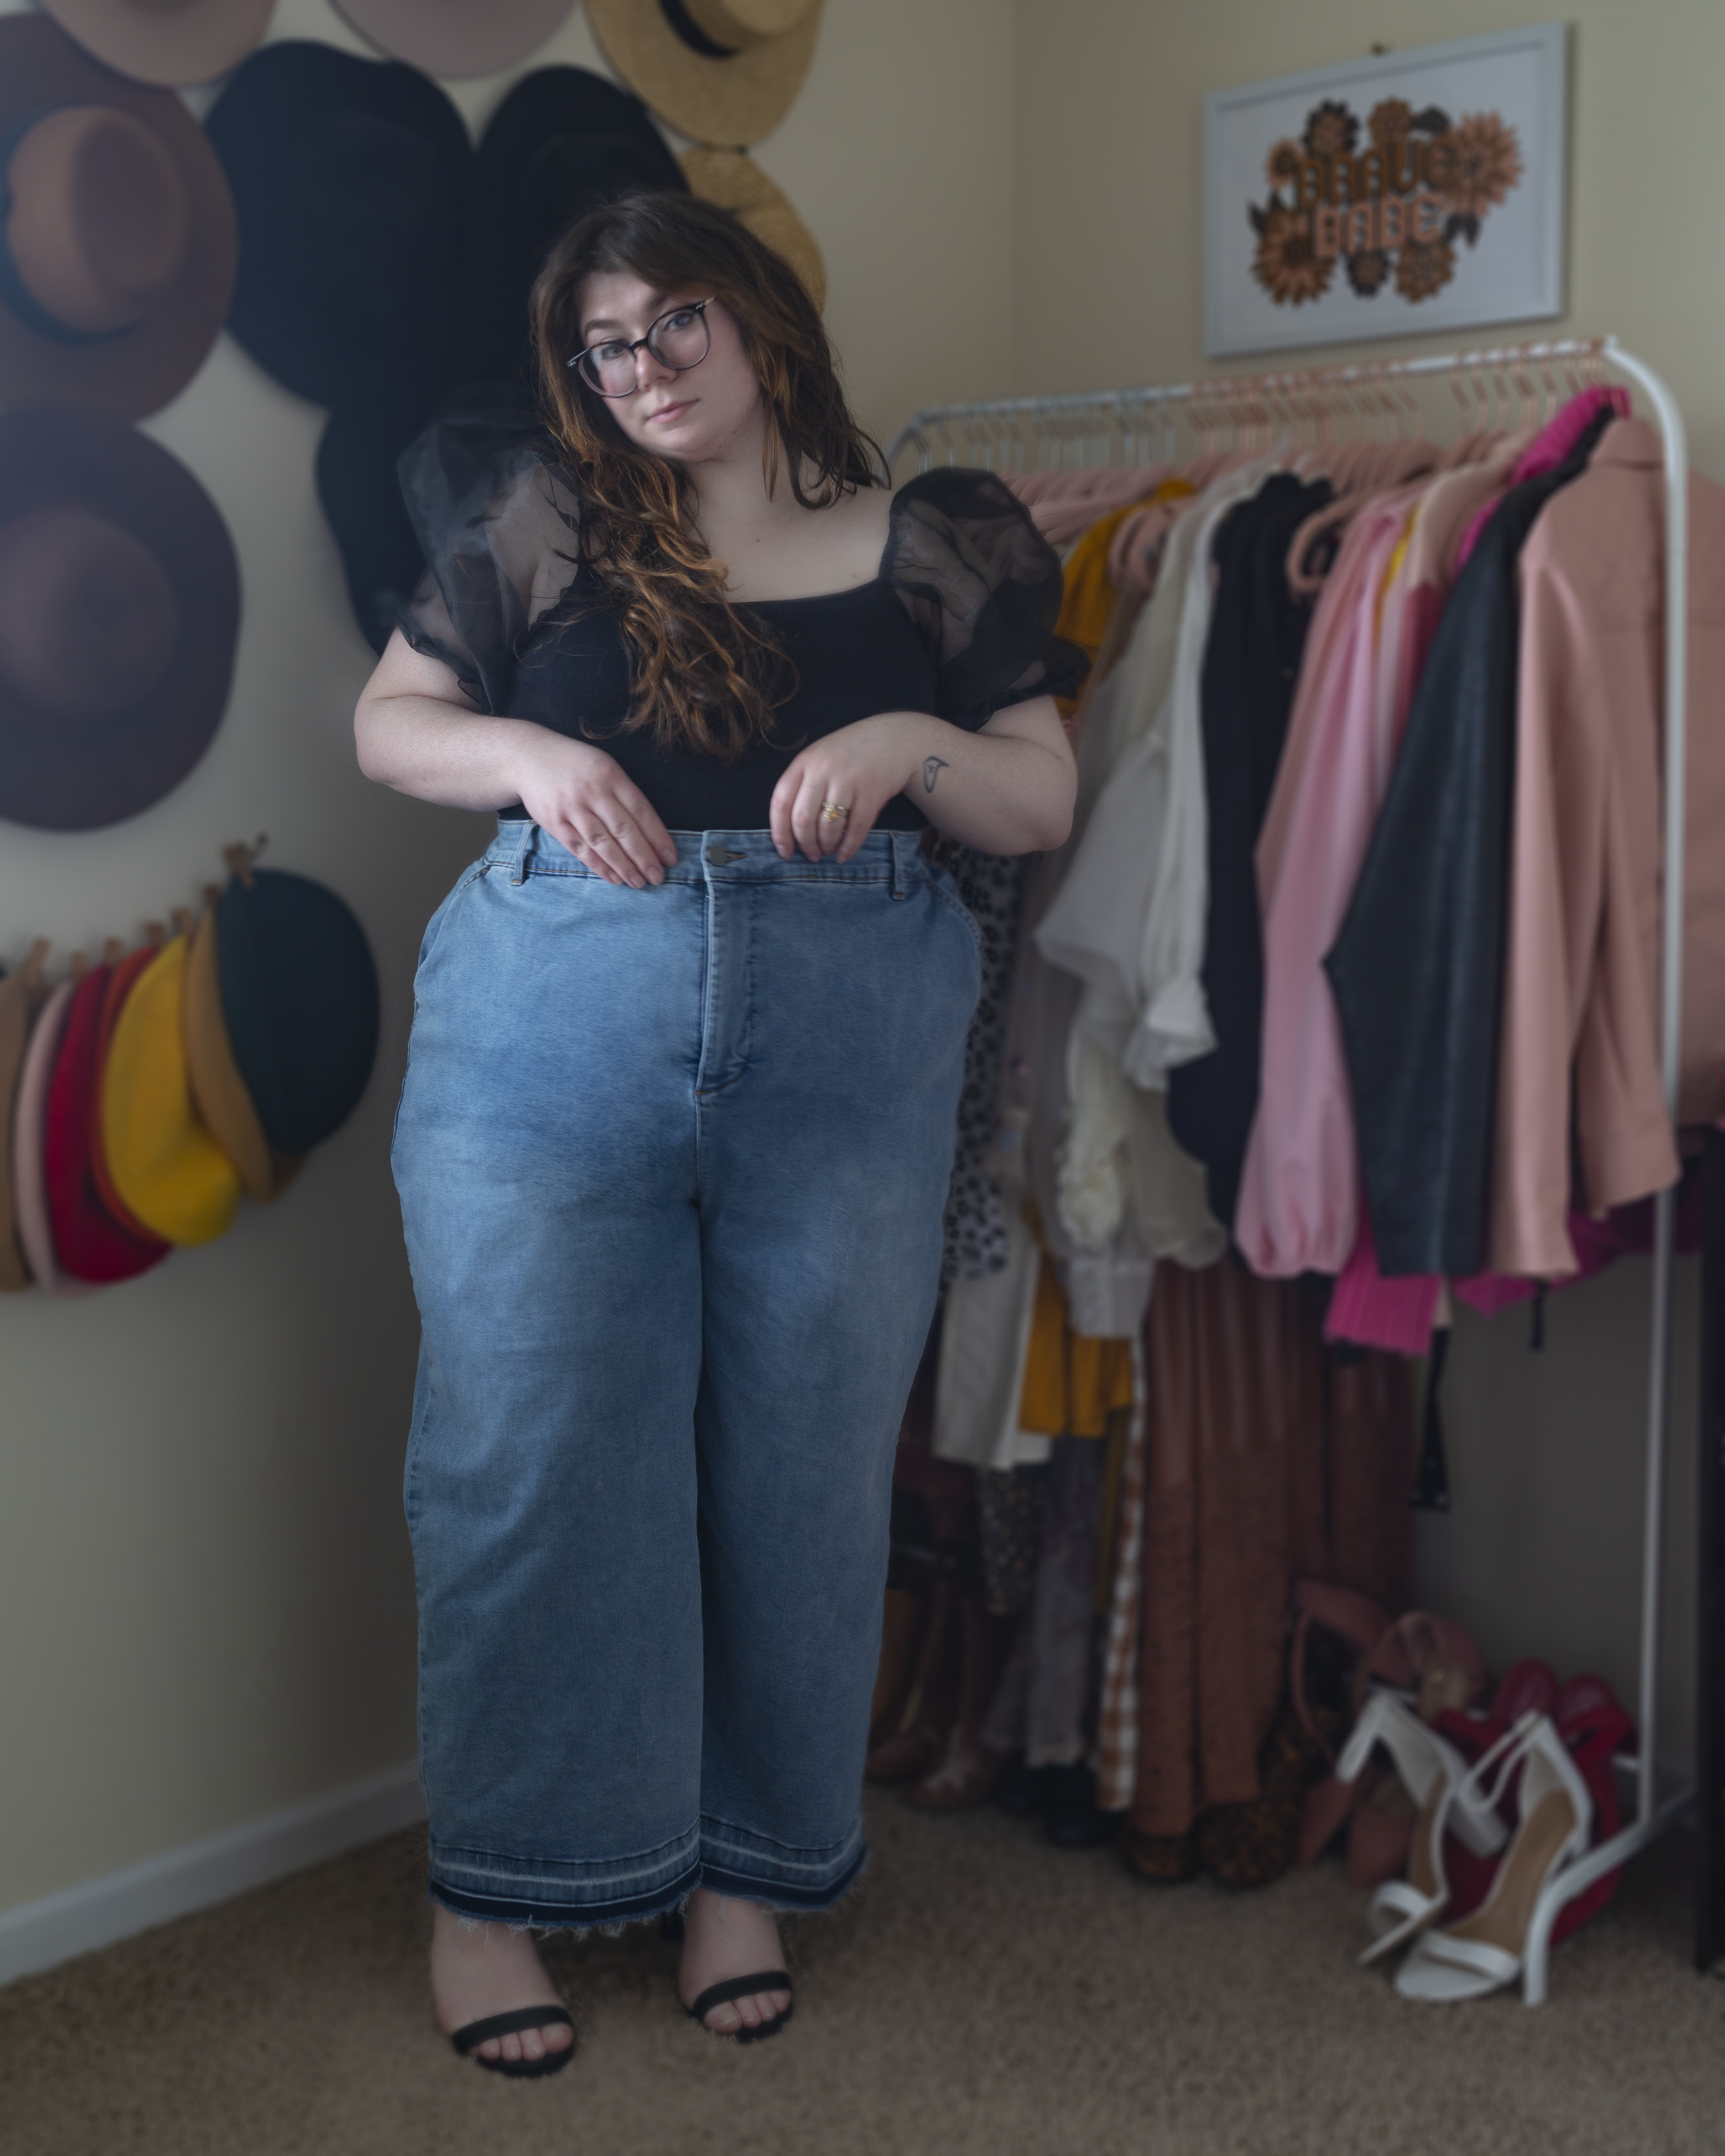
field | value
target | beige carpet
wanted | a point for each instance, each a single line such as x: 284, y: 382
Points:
x: 981, y: 1992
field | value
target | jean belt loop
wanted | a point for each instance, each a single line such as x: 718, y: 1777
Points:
x: 904, y: 857
x: 523, y: 854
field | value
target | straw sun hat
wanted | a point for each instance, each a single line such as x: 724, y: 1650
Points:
x: 724, y: 71
x: 735, y: 182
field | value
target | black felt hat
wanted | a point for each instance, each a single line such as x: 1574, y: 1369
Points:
x: 351, y: 180
x: 299, y: 1001
x: 562, y: 142
x: 119, y: 610
x: 359, y: 486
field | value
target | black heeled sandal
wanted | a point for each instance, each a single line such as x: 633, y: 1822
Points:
x: 467, y: 2040
x: 740, y: 1987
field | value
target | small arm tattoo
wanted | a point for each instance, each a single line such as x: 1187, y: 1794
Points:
x: 932, y: 766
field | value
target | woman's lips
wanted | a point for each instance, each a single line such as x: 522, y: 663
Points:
x: 668, y: 413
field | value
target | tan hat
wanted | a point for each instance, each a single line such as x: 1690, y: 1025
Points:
x: 118, y: 244
x: 725, y: 71
x: 21, y: 995
x: 460, y: 37
x: 172, y: 42
x: 735, y: 182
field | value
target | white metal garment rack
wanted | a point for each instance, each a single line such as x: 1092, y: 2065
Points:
x: 1134, y: 426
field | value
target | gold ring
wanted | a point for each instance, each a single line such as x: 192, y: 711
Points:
x: 833, y: 812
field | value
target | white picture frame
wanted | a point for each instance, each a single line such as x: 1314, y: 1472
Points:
x: 1442, y: 237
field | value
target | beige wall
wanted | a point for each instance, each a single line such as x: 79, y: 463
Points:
x: 206, y: 1603
x: 1540, y: 1552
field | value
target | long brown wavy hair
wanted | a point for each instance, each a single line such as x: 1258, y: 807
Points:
x: 706, y: 676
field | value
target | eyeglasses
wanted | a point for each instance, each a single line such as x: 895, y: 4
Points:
x: 679, y: 339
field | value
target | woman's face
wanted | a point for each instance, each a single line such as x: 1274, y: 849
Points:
x: 691, y: 416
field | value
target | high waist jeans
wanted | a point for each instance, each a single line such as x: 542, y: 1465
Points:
x: 672, y: 1164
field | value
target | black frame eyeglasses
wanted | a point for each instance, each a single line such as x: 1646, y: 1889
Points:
x: 587, y: 365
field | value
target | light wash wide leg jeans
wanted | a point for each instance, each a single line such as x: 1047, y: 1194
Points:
x: 672, y: 1166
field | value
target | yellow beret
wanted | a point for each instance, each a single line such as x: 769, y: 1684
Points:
x: 161, y: 1159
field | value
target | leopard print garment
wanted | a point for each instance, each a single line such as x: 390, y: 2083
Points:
x: 992, y: 888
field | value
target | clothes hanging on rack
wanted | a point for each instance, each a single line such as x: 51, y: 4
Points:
x: 1250, y: 664
x: 1417, y: 967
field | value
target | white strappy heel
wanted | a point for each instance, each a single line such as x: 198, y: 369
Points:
x: 1434, y: 1774
x: 1490, y: 1949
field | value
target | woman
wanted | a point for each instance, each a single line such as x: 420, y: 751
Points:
x: 678, y: 1112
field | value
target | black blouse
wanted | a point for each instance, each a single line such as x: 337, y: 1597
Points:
x: 958, y: 622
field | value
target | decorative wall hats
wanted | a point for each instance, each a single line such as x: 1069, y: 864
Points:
x: 351, y: 180
x: 563, y: 142
x: 724, y: 71
x: 299, y: 1000
x: 735, y: 182
x: 456, y: 37
x: 117, y: 249
x: 168, y: 1170
x: 145, y: 1092
x: 99, y: 527
x: 174, y: 43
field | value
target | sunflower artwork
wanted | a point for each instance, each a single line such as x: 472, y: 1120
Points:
x: 1385, y: 208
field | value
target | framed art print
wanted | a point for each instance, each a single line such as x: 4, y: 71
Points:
x: 1389, y: 197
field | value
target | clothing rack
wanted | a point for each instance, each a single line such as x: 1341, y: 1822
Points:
x: 1131, y: 426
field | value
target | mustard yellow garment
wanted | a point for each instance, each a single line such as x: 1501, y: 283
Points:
x: 1071, y: 1383
x: 1087, y: 596
x: 165, y: 1165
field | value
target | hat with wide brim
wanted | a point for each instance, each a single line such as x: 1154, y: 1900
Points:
x: 460, y: 37
x: 119, y: 612
x: 737, y: 183
x: 217, y: 1089
x: 725, y: 71
x: 118, y: 246
x: 164, y: 1163
x: 171, y: 43
x: 562, y: 142
x: 299, y: 1002
x: 350, y: 177
x: 23, y: 993
x: 90, y: 1244
x: 29, y: 1147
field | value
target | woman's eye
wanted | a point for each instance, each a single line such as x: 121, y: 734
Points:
x: 681, y: 319
x: 604, y: 353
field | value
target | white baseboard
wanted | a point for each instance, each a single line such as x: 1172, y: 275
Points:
x: 81, y: 1918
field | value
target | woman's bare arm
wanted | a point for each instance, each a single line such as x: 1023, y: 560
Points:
x: 1007, y: 789
x: 416, y: 732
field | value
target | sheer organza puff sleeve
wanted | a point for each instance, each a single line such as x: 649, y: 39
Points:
x: 983, y: 587
x: 495, y: 517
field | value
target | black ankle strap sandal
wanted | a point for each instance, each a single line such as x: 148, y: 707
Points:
x: 468, y: 2040
x: 741, y: 1987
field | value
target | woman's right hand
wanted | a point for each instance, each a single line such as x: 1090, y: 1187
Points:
x: 588, y: 804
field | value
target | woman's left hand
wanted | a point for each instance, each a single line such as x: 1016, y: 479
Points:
x: 859, y: 769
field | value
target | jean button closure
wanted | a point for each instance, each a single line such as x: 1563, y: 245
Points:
x: 716, y: 857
